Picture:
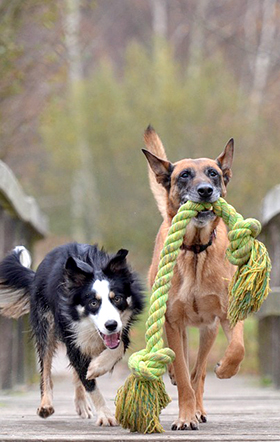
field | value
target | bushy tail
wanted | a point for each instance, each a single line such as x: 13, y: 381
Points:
x: 154, y: 145
x: 16, y: 279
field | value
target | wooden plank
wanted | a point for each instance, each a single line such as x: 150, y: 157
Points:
x: 238, y: 410
x: 18, y: 204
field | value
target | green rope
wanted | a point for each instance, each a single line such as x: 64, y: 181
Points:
x: 143, y: 396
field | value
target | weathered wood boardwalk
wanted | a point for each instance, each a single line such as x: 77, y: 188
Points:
x: 238, y: 410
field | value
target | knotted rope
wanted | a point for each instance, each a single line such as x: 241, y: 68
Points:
x: 143, y: 396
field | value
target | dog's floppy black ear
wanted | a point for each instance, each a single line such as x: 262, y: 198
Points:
x: 225, y: 159
x: 117, y: 263
x: 161, y: 168
x: 78, y: 271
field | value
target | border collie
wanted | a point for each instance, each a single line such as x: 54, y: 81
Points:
x: 80, y: 296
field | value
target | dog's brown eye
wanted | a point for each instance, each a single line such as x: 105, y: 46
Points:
x: 185, y: 174
x: 213, y: 173
x: 94, y: 303
x: 117, y: 299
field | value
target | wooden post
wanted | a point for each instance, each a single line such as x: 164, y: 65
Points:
x: 21, y: 222
x: 269, y: 314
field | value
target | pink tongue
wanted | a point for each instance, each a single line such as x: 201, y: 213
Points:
x: 112, y: 341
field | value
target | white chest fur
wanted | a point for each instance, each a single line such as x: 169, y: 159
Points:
x: 87, y: 337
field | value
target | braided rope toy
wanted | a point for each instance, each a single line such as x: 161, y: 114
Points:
x: 140, y: 400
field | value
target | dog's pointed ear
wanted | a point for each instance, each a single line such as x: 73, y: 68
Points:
x: 153, y: 143
x: 225, y: 159
x: 78, y: 271
x: 161, y: 168
x: 117, y: 263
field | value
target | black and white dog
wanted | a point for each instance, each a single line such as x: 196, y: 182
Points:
x: 83, y: 297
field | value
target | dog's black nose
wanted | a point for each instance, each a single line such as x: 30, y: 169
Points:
x: 205, y: 190
x: 111, y: 325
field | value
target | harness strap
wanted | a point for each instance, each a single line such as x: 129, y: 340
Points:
x: 198, y: 248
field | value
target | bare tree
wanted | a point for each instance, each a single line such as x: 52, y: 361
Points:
x: 264, y: 53
x: 159, y: 8
x: 250, y: 43
x: 197, y: 37
x: 84, y: 193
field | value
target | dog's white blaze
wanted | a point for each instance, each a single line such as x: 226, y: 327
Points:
x: 80, y: 309
x: 107, y: 310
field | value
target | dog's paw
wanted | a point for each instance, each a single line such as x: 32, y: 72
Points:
x: 83, y: 408
x: 95, y: 370
x: 182, y: 424
x: 45, y: 411
x: 105, y: 418
x: 226, y: 371
x: 201, y: 416
x: 231, y: 362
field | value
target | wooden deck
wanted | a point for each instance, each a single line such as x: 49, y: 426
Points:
x: 238, y: 410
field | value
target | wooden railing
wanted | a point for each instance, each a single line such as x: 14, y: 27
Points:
x: 21, y: 222
x: 269, y: 314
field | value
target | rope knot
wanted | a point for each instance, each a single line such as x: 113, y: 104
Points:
x: 150, y: 366
x: 242, y: 238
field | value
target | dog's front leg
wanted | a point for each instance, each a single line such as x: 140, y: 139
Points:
x: 187, y: 402
x: 105, y: 362
x: 82, y: 404
x: 207, y: 338
x: 104, y: 416
x: 235, y: 351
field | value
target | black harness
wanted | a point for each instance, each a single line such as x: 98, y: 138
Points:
x: 198, y: 248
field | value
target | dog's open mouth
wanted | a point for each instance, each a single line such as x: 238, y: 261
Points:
x: 205, y: 212
x: 111, y: 341
x: 204, y: 216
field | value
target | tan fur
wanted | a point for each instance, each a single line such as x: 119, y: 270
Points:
x: 46, y: 406
x: 199, y: 291
x: 155, y: 145
x: 13, y: 303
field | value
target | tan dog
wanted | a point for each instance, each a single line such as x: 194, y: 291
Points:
x: 199, y: 290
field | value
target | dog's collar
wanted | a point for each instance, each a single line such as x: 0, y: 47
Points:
x: 198, y: 248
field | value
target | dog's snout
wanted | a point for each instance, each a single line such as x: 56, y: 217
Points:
x: 205, y: 190
x: 111, y: 325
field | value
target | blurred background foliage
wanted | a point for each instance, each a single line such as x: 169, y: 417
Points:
x: 82, y: 79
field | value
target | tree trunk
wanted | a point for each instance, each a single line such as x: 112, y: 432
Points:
x: 84, y: 193
x: 263, y: 57
x: 197, y: 38
x: 250, y: 43
x: 159, y: 8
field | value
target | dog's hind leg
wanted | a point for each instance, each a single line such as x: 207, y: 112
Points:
x: 207, y: 338
x: 235, y: 351
x: 46, y: 351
